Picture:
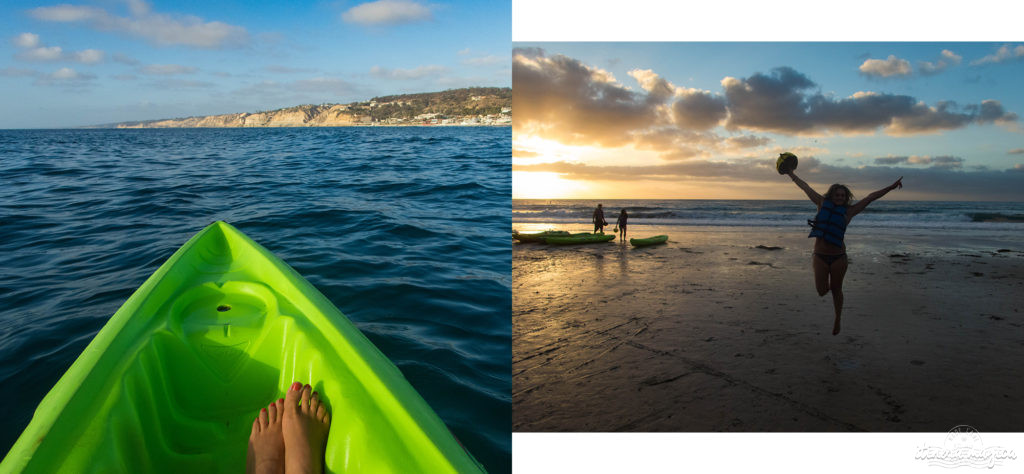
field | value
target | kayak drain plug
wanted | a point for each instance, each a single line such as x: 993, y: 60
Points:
x: 222, y: 308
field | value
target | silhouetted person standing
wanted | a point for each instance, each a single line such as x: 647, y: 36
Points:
x: 599, y: 221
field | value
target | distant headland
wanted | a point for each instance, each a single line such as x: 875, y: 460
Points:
x: 473, y: 106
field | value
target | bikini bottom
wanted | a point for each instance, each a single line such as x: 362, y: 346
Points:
x: 829, y: 259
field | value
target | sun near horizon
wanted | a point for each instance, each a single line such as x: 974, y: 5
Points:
x: 548, y: 169
x: 547, y: 185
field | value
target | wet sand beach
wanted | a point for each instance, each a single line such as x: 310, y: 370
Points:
x: 721, y: 329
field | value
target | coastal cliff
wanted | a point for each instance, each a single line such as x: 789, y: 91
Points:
x: 465, y: 107
x: 301, y: 116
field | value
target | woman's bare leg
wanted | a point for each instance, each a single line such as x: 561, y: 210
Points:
x: 836, y: 274
x: 304, y: 427
x: 266, y: 443
x: 821, y: 273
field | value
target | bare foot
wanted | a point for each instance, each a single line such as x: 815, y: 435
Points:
x: 305, y: 425
x: 835, y: 327
x: 266, y: 442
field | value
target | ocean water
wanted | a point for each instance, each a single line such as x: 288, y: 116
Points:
x: 882, y: 214
x: 407, y: 226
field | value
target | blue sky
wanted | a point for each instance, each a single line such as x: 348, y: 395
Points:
x: 705, y: 120
x: 102, y: 61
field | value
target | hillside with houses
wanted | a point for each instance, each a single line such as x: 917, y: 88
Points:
x: 473, y: 106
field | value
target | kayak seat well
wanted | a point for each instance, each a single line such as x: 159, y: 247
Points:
x: 221, y: 322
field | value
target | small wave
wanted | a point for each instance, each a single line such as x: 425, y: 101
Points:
x: 447, y: 190
x: 652, y: 215
x: 68, y: 172
x: 878, y: 210
x: 632, y: 210
x: 378, y: 187
x: 142, y: 179
x: 994, y: 217
x: 405, y: 230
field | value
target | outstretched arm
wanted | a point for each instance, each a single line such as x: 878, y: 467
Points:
x: 863, y: 203
x: 811, y: 193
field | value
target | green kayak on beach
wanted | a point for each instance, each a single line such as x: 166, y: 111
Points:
x: 538, y: 236
x: 584, y: 238
x: 173, y: 381
x: 657, y: 239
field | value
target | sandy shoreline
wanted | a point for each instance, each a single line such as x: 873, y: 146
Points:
x: 712, y: 333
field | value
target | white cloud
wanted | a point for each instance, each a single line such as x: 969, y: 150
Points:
x: 125, y: 59
x: 138, y: 7
x: 948, y: 58
x: 569, y: 101
x: 654, y: 84
x: 892, y: 66
x: 405, y: 74
x: 162, y: 29
x: 65, y: 76
x: 187, y: 31
x: 34, y: 50
x: 42, y: 53
x: 88, y: 56
x: 65, y: 73
x: 387, y: 12
x: 1004, y: 53
x: 67, y: 13
x: 26, y: 40
x: 166, y: 69
x: 943, y: 162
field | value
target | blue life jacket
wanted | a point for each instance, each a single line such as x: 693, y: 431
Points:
x: 829, y: 224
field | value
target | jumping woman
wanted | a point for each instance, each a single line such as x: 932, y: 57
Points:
x: 828, y: 228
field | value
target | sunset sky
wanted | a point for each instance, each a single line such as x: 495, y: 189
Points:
x: 69, y: 63
x: 707, y: 120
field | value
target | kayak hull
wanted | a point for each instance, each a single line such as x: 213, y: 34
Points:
x: 175, y: 378
x: 538, y: 236
x: 580, y: 239
x: 658, y: 239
